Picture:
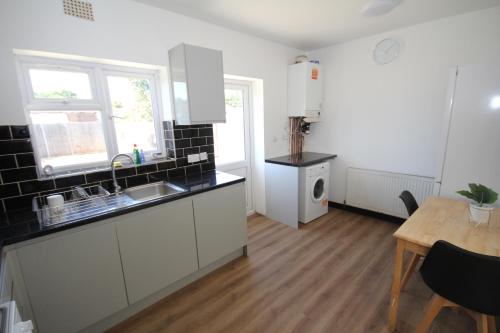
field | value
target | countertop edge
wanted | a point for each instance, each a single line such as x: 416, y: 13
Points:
x: 304, y: 164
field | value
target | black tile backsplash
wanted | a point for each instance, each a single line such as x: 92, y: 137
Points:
x: 19, y: 182
x: 168, y: 125
x: 5, y: 133
x: 98, y: 176
x: 189, y: 132
x: 207, y: 166
x: 182, y: 143
x: 15, y: 146
x: 166, y: 165
x: 146, y: 168
x: 27, y: 159
x: 20, y: 132
x: 108, y: 184
x: 137, y: 180
x: 193, y: 169
x: 191, y: 150
x: 189, y: 139
x: 126, y: 172
x: 206, y: 132
x: 9, y: 190
x: 70, y: 181
x: 17, y: 175
x: 196, y: 142
x: 34, y: 186
x: 207, y: 149
x: 182, y: 161
x: 158, y: 176
x: 21, y: 202
x: 7, y: 162
x: 179, y: 152
x: 174, y: 173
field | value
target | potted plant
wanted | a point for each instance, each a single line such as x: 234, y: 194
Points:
x: 482, y: 198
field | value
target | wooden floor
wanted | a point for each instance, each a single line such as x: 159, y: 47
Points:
x: 332, y: 275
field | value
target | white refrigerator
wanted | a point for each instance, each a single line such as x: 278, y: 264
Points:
x: 470, y: 146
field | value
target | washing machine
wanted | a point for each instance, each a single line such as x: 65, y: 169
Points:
x: 313, y: 191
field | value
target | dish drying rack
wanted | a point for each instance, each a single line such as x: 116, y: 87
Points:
x: 79, y: 202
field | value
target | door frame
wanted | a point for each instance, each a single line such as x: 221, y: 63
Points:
x: 246, y: 86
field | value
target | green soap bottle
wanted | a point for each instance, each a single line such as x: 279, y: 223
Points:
x: 135, y: 155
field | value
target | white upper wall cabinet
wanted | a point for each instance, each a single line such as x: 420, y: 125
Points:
x: 305, y: 90
x: 197, y: 83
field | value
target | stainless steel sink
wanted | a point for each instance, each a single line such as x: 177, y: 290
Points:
x: 152, y: 191
x: 102, y: 203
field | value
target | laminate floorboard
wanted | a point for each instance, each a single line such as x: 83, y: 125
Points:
x: 331, y: 275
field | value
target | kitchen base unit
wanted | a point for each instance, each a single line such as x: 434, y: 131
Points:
x: 91, y: 277
x: 297, y: 187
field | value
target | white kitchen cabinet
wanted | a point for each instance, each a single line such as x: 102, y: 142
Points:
x: 7, y: 282
x: 158, y: 247
x: 12, y: 286
x: 305, y: 90
x: 197, y: 84
x: 220, y: 220
x: 73, y: 280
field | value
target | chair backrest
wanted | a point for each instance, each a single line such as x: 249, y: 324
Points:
x: 466, y: 278
x: 409, y: 201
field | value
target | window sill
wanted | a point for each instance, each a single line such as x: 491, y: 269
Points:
x: 85, y: 171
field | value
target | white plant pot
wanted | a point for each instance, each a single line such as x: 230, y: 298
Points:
x: 479, y: 215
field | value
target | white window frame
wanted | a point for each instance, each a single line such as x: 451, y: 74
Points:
x: 101, y: 101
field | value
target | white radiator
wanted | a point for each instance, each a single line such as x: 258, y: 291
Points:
x: 379, y: 190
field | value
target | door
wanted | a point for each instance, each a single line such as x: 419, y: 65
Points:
x: 167, y: 250
x: 220, y: 222
x: 473, y: 136
x: 318, y: 189
x: 232, y: 139
x: 74, y: 280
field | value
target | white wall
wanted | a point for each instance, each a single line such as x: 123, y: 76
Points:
x: 129, y: 31
x: 390, y: 117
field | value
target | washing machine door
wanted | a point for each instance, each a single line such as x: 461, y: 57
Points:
x: 318, y: 189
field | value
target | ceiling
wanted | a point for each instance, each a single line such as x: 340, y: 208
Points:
x: 312, y: 24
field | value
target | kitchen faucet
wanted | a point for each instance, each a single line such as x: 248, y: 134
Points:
x: 115, y: 183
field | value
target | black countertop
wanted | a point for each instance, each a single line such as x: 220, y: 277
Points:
x: 301, y: 160
x: 23, y: 225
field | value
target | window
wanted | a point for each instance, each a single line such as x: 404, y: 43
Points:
x: 229, y: 137
x: 132, y: 109
x: 81, y: 114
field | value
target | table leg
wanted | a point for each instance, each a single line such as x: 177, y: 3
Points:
x: 396, y: 285
x: 411, y: 268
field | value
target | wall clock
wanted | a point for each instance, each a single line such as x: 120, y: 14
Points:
x: 386, y: 51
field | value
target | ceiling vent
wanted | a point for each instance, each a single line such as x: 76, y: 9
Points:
x: 79, y: 9
x: 379, y: 7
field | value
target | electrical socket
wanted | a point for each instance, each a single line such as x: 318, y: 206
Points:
x: 203, y: 156
x: 193, y: 158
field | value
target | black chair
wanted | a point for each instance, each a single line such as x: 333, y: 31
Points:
x: 462, y: 278
x: 409, y: 201
x: 411, y: 206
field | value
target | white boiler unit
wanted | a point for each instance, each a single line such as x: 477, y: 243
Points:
x: 305, y: 91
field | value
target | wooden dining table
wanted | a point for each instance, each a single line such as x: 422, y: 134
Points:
x: 439, y: 219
